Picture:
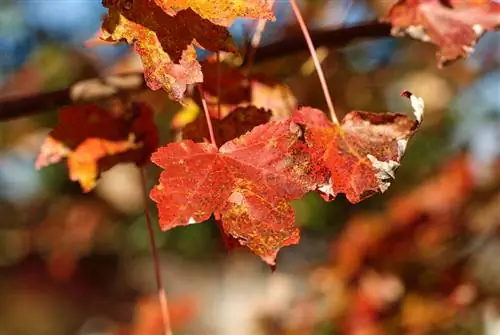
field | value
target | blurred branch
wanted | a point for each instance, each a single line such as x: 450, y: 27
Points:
x: 104, y: 88
x: 95, y: 89
x: 332, y: 38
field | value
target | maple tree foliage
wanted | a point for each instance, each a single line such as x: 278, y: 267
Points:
x: 412, y: 232
x: 453, y: 25
x: 227, y: 87
x: 259, y: 173
x: 165, y: 36
x: 268, y: 153
x: 363, y: 152
x: 93, y: 140
x: 404, y: 269
x: 255, y: 177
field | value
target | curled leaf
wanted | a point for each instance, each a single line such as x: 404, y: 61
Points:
x: 165, y: 43
x: 363, y: 152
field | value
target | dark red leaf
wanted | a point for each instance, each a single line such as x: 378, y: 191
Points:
x: 240, y: 121
x: 453, y: 25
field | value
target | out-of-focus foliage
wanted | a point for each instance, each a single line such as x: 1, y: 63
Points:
x: 424, y: 255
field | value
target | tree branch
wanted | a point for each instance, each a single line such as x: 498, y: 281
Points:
x: 333, y: 38
x: 104, y: 88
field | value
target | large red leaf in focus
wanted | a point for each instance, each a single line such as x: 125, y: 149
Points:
x: 164, y: 42
x: 363, y: 152
x: 249, y: 181
x: 453, y: 25
x: 240, y: 121
x: 93, y: 140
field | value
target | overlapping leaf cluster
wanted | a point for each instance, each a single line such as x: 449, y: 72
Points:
x: 92, y: 140
x: 257, y: 175
x: 165, y: 33
x: 236, y: 103
x: 266, y: 152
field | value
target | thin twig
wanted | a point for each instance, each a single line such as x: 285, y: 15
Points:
x: 257, y: 36
x: 334, y: 38
x: 207, y: 116
x: 89, y: 90
x: 316, y: 61
x: 162, y: 295
x: 219, y: 78
x: 13, y: 107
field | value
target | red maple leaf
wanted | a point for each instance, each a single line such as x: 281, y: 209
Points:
x: 362, y: 152
x: 240, y: 121
x: 249, y: 181
x: 93, y: 140
x: 453, y: 25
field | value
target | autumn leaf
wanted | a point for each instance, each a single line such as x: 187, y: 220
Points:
x: 240, y: 121
x: 93, y: 140
x: 222, y: 12
x: 226, y: 88
x: 230, y: 243
x: 453, y: 25
x: 363, y: 152
x: 249, y: 181
x: 165, y: 43
x: 278, y: 98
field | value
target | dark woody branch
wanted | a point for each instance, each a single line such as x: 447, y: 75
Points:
x: 104, y: 88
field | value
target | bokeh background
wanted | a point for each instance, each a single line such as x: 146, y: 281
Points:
x: 421, y: 258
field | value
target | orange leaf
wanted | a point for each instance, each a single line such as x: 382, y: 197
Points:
x: 93, y: 141
x: 444, y: 194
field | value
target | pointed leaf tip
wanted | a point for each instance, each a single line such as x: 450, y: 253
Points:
x: 417, y: 104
